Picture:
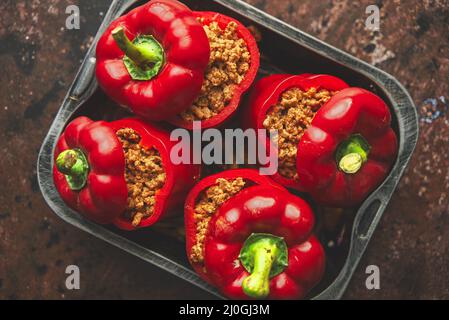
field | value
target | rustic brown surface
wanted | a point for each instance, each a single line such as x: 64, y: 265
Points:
x: 39, y: 58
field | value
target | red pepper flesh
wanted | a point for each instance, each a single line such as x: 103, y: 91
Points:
x: 250, y: 175
x: 263, y: 211
x: 348, y: 150
x: 103, y: 198
x: 170, y: 26
x: 266, y: 93
x: 232, y: 106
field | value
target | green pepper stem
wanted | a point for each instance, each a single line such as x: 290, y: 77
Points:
x: 73, y: 164
x: 352, y: 154
x: 257, y: 285
x: 140, y: 54
x: 351, y: 163
x: 69, y: 163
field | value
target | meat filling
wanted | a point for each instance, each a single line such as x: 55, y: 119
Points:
x: 144, y: 175
x: 207, y: 204
x: 291, y: 116
x: 229, y: 62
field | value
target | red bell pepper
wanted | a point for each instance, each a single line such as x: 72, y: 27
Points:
x: 267, y: 92
x: 89, y: 171
x: 152, y: 59
x: 251, y: 177
x: 260, y: 245
x: 229, y: 110
x: 348, y: 149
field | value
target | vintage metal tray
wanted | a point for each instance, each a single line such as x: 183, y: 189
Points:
x: 294, y: 52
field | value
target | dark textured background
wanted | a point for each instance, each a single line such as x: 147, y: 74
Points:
x: 38, y: 61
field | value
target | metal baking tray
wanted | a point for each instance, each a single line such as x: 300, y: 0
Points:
x: 294, y: 52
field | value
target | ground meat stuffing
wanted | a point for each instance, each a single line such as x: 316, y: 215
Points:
x: 144, y: 175
x: 229, y: 62
x: 207, y: 204
x: 291, y: 116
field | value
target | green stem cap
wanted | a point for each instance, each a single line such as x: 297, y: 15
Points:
x: 352, y: 154
x: 144, y: 56
x: 264, y: 256
x: 73, y: 164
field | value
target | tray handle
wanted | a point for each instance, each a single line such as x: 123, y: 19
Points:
x: 84, y: 79
x: 366, y: 220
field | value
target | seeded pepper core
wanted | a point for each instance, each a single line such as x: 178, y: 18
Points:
x: 207, y: 204
x: 229, y: 62
x: 144, y: 175
x: 291, y: 116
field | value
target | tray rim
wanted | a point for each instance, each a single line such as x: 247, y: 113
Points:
x: 85, y: 84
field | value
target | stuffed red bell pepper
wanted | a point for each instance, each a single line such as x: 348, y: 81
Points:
x: 259, y: 244
x: 348, y: 150
x: 152, y: 59
x: 288, y: 103
x: 120, y: 172
x: 233, y: 65
x: 204, y: 200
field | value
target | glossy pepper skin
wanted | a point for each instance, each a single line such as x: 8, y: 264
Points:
x: 262, y: 211
x: 251, y: 176
x: 103, y: 198
x: 267, y: 92
x: 176, y: 59
x: 230, y: 109
x: 348, y: 150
